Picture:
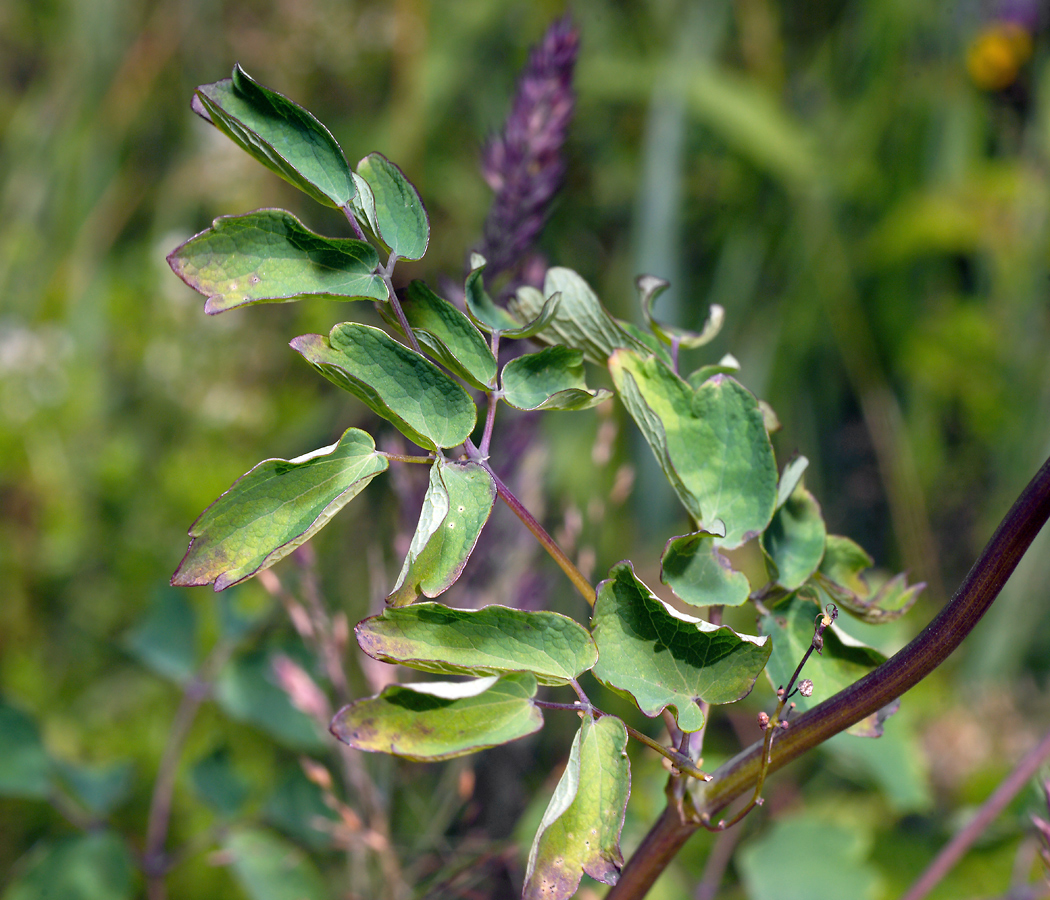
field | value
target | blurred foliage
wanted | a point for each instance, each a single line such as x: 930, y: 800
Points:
x: 862, y: 185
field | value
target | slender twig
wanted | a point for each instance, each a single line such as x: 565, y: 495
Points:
x: 354, y: 224
x: 856, y: 702
x: 953, y: 851
x: 546, y: 541
x: 406, y: 458
x: 386, y: 273
x: 490, y: 421
x: 155, y: 861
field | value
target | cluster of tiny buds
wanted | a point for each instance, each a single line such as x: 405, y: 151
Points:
x: 805, y: 687
x: 763, y: 720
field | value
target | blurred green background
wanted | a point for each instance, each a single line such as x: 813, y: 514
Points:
x: 863, y: 185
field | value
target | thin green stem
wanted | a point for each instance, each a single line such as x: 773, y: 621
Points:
x: 867, y: 695
x: 546, y: 541
x: 401, y: 457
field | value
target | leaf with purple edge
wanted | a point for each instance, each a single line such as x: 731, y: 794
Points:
x: 269, y: 256
x: 277, y: 506
x: 580, y: 830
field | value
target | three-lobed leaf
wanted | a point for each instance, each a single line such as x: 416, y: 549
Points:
x: 456, y: 507
x: 699, y: 575
x: 430, y: 721
x: 664, y: 659
x: 400, y: 219
x: 492, y: 640
x: 280, y: 134
x: 274, y: 508
x: 397, y: 383
x: 269, y: 256
x: 580, y: 830
x: 710, y: 441
x: 550, y: 379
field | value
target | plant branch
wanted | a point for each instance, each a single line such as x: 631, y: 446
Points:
x: 869, y: 694
x: 953, y: 851
x: 546, y: 541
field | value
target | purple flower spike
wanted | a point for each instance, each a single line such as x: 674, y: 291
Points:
x: 523, y: 164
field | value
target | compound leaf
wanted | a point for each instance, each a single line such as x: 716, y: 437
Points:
x: 550, y: 379
x: 269, y: 256
x: 274, y: 508
x: 455, y: 509
x: 580, y: 830
x: 701, y: 576
x: 400, y: 217
x: 794, y: 541
x: 580, y: 321
x: 450, y: 336
x: 436, y: 720
x: 400, y: 385
x: 488, y: 641
x: 665, y: 659
x: 280, y: 134
x: 711, y: 443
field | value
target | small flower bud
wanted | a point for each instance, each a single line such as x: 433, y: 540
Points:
x: 763, y: 720
x: 805, y: 687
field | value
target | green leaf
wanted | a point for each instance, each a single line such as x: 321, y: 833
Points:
x: 842, y: 661
x: 93, y: 866
x: 269, y: 256
x: 701, y: 576
x: 550, y: 379
x: 421, y: 401
x: 455, y: 509
x: 437, y: 720
x: 488, y: 641
x: 649, y: 288
x: 280, y: 134
x: 25, y: 767
x: 165, y: 639
x: 246, y: 691
x: 794, y: 541
x: 727, y: 365
x: 790, y: 478
x: 400, y: 218
x: 484, y: 312
x: 277, y: 506
x: 363, y: 206
x: 580, y: 321
x: 580, y: 831
x: 297, y: 807
x: 665, y: 659
x: 711, y: 443
x: 99, y: 788
x: 802, y: 857
x: 218, y: 784
x: 841, y: 579
x: 449, y: 336
x: 269, y: 868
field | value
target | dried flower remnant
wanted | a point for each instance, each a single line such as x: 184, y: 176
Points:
x: 524, y: 164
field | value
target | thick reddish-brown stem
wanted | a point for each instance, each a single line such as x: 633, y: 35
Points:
x: 862, y: 698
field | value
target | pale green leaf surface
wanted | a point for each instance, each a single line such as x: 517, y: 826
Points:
x: 579, y: 321
x: 841, y: 579
x: 269, y: 256
x: 842, y: 661
x: 550, y: 379
x: 270, y: 868
x: 794, y: 540
x: 711, y: 443
x: 431, y: 721
x: 580, y: 830
x: 727, y: 365
x: 93, y: 866
x: 665, y: 659
x: 400, y: 385
x: 363, y: 205
x: 790, y: 478
x: 548, y: 309
x: 25, y: 767
x: 280, y: 134
x: 487, y: 641
x: 277, y: 506
x: 456, y: 507
x: 701, y: 576
x: 450, y: 336
x: 481, y: 307
x: 399, y: 214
